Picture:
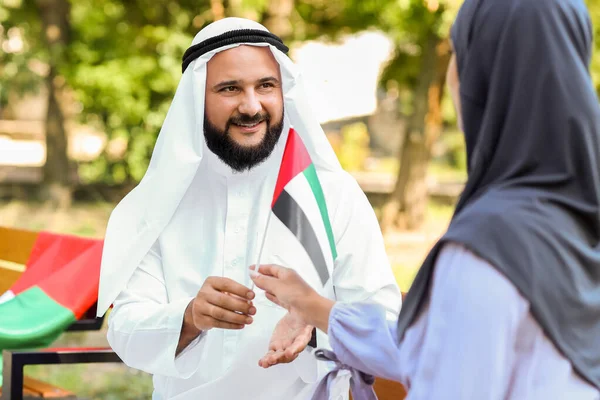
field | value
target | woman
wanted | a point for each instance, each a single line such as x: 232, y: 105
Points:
x: 507, y: 304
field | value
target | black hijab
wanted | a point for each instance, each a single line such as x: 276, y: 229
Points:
x: 531, y: 205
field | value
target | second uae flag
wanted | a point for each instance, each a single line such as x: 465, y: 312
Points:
x: 298, y: 202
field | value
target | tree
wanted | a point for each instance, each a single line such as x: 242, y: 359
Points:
x: 121, y: 63
x: 277, y: 18
x: 406, y: 206
x: 54, y: 16
x: 420, y: 31
x: 44, y: 26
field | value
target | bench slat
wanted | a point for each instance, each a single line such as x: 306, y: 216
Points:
x: 45, y: 390
x: 16, y: 244
x: 34, y: 389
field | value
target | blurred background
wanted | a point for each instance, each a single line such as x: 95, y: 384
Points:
x: 85, y: 86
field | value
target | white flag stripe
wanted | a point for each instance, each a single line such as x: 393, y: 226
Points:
x: 300, y: 190
x: 8, y: 295
x: 287, y: 250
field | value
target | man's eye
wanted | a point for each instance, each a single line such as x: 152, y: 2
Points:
x: 267, y: 85
x: 229, y: 89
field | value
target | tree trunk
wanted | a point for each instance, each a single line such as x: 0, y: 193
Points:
x: 277, y: 18
x: 407, y: 204
x: 55, y: 23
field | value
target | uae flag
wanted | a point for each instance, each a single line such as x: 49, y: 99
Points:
x: 59, y: 285
x: 299, y: 203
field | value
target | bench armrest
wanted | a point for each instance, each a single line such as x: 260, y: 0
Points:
x: 15, y: 360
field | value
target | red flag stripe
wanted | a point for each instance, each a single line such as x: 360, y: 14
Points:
x: 295, y: 160
x: 75, y: 285
x: 49, y: 254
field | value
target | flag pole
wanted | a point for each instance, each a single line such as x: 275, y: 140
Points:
x: 262, y: 246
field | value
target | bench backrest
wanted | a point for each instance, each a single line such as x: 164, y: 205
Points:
x: 15, y: 249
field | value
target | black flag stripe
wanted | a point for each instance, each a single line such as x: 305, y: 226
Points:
x: 291, y: 215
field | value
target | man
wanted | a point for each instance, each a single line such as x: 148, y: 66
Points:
x: 507, y: 304
x: 178, y: 246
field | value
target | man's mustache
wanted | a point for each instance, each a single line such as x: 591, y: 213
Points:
x: 245, y: 119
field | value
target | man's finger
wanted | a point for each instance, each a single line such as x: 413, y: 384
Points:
x: 230, y: 286
x: 226, y: 325
x: 221, y: 314
x: 230, y: 302
x: 235, y: 296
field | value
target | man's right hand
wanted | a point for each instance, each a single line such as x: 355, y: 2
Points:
x: 221, y: 303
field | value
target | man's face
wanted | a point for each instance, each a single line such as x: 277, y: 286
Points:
x: 244, y: 105
x: 454, y: 87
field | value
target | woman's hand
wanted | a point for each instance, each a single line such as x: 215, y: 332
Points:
x: 289, y: 339
x: 284, y: 287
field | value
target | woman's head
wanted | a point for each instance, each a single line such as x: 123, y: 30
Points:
x: 517, y: 76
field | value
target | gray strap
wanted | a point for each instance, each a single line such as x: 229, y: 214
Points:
x: 361, y: 384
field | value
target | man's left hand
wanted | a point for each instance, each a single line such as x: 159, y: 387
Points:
x: 290, y: 338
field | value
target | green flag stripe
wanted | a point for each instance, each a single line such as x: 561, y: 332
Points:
x: 311, y: 176
x: 32, y: 319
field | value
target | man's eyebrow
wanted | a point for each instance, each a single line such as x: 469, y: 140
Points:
x: 268, y: 79
x: 223, y: 84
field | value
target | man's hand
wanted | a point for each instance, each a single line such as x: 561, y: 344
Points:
x: 290, y: 337
x: 222, y: 303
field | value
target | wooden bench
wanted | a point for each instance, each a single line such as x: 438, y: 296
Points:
x: 389, y: 390
x: 36, y: 390
x: 15, y: 249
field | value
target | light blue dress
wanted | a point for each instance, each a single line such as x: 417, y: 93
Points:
x: 475, y: 339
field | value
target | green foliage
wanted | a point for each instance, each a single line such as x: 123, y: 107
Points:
x: 18, y: 19
x: 122, y: 63
x: 415, y: 26
x: 125, y: 67
x: 594, y: 11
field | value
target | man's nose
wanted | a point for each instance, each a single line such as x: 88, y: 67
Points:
x: 250, y: 104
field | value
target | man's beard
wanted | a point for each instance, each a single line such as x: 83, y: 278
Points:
x: 239, y: 157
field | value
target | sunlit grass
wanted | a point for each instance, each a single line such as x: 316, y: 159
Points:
x: 96, y: 381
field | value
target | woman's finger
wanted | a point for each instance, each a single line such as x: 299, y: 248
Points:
x: 273, y: 299
x: 266, y: 283
x: 271, y: 270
